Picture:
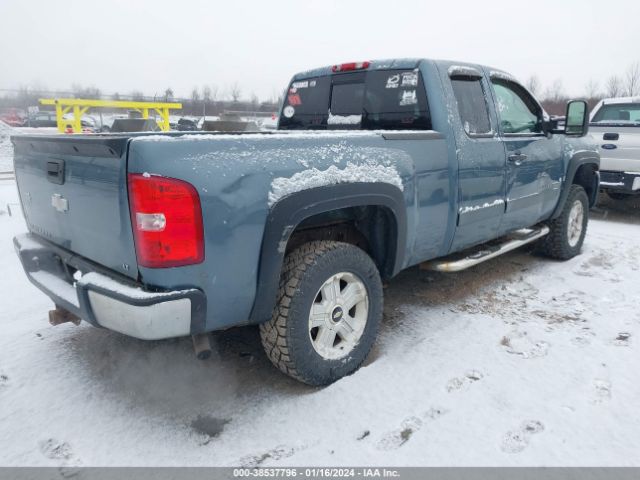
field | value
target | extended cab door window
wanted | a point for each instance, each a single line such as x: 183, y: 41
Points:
x: 395, y: 100
x: 472, y: 105
x: 517, y: 110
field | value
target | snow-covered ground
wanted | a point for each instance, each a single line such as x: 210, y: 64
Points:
x: 520, y: 361
x: 6, y: 149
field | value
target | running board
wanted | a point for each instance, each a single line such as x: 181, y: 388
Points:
x: 485, y: 252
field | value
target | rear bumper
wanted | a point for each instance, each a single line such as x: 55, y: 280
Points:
x: 108, y: 301
x: 623, y: 182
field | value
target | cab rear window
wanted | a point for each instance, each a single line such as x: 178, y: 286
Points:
x: 618, y: 113
x: 378, y: 99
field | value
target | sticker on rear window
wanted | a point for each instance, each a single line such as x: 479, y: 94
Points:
x: 288, y: 111
x: 393, y: 81
x: 304, y: 84
x: 409, y: 97
x: 294, y: 99
x: 410, y: 79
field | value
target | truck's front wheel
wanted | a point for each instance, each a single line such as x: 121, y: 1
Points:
x: 327, y: 315
x: 567, y: 232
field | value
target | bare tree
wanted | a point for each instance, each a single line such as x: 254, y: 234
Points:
x: 85, y: 92
x: 592, y: 89
x: 533, y: 84
x: 195, y: 95
x: 168, y: 95
x: 206, y: 93
x: 255, y: 102
x: 555, y: 92
x: 614, y: 87
x: 554, y: 98
x: 235, y: 92
x: 93, y: 92
x: 77, y: 89
x: 593, y: 94
x: 206, y: 99
x: 137, y: 96
x: 25, y: 96
x: 632, y: 80
x: 195, y: 98
x: 273, y: 98
x: 38, y: 86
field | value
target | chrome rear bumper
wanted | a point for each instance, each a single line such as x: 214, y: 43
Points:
x: 107, y: 301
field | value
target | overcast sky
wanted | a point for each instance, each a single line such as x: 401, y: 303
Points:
x: 149, y: 45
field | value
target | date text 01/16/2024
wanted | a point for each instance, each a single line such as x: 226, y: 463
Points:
x: 316, y: 473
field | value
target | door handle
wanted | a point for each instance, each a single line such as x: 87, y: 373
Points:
x: 55, y: 171
x: 517, y: 158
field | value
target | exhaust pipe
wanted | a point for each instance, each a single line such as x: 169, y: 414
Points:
x: 60, y: 315
x: 202, y: 346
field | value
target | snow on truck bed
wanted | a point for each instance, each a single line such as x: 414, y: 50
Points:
x: 520, y: 361
x: 313, y: 177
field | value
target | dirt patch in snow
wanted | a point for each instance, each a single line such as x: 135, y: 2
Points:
x: 275, y: 454
x: 209, y: 426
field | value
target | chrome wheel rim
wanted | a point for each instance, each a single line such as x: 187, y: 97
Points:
x: 574, y: 227
x: 338, y: 315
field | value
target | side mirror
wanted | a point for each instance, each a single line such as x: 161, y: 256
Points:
x: 577, y: 119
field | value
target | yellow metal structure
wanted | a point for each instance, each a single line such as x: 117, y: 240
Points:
x: 79, y: 106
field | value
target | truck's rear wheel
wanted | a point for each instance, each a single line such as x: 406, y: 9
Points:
x: 328, y: 312
x: 567, y: 232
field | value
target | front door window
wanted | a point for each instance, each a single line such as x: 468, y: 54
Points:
x: 517, y: 111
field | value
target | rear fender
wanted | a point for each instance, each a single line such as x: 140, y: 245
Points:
x: 289, y: 212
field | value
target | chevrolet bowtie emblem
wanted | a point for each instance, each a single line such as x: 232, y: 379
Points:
x: 60, y: 203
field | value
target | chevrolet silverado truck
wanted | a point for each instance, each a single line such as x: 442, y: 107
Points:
x: 376, y: 167
x: 615, y: 125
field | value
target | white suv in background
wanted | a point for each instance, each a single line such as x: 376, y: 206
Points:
x: 615, y: 126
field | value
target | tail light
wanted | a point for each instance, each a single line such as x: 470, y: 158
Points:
x: 346, y: 67
x: 167, y: 221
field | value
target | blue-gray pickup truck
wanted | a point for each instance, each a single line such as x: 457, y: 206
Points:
x: 375, y: 167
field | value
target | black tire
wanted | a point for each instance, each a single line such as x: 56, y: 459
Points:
x: 287, y: 337
x: 557, y: 243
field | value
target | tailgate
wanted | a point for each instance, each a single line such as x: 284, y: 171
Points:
x: 619, y: 147
x: 73, y: 191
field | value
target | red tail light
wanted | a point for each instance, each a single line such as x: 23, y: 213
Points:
x: 346, y: 67
x: 167, y: 221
